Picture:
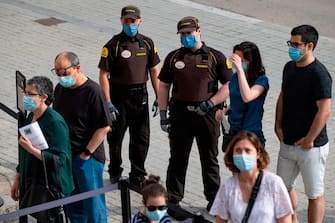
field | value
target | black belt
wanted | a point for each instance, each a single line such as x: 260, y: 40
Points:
x: 190, y: 106
x: 129, y: 87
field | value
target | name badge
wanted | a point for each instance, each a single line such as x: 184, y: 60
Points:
x: 125, y: 54
x: 179, y: 65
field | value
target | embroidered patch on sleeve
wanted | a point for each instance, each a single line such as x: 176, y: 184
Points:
x: 228, y: 64
x: 104, y: 52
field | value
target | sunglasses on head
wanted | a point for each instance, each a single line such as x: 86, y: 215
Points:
x: 154, y: 208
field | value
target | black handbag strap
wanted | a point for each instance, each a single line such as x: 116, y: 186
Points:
x: 45, y: 171
x: 253, y: 196
x: 59, y: 183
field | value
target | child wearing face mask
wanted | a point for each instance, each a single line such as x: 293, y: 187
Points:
x: 247, y: 159
x: 154, y: 198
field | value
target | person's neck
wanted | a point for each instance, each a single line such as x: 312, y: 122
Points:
x: 80, y: 81
x: 198, y: 46
x: 307, y: 60
x: 248, y: 176
x: 39, y: 112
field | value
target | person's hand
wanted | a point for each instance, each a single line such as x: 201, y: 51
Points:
x: 114, y: 113
x: 236, y: 61
x: 14, y: 190
x: 165, y: 122
x: 155, y: 108
x: 83, y: 156
x: 279, y: 133
x: 305, y: 143
x: 219, y: 115
x: 204, y: 107
x: 25, y: 143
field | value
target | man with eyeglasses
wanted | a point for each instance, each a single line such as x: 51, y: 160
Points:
x: 124, y: 65
x: 303, y: 107
x: 193, y: 71
x: 83, y: 105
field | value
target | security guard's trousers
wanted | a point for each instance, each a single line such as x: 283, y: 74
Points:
x: 132, y: 104
x: 185, y: 126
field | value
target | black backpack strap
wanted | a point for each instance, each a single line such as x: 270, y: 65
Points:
x: 253, y: 196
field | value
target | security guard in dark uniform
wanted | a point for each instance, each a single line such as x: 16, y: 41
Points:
x: 193, y: 71
x: 124, y: 65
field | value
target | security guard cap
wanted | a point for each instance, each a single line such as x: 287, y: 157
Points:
x: 188, y: 24
x: 130, y: 11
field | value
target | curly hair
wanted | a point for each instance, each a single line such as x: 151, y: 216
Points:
x: 43, y: 86
x: 153, y: 188
x: 263, y: 160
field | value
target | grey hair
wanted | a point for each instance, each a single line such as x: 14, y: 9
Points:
x: 43, y: 86
x: 70, y: 56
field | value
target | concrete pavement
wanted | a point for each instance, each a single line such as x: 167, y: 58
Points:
x: 30, y: 47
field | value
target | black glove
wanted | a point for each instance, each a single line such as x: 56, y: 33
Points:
x: 113, y: 112
x: 165, y: 122
x: 204, y: 107
x: 155, y: 107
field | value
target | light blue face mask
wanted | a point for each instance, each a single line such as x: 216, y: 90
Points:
x: 244, y: 162
x: 155, y: 215
x: 130, y: 30
x: 188, y: 41
x: 66, y: 81
x: 29, y: 103
x: 294, y: 53
x: 245, y: 66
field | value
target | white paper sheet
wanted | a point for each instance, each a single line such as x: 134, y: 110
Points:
x: 34, y: 133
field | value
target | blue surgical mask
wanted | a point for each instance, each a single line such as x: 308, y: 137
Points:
x: 29, y: 103
x: 66, y: 81
x: 188, y: 41
x: 244, y: 162
x: 130, y: 30
x: 294, y: 53
x: 245, y: 66
x: 155, y: 215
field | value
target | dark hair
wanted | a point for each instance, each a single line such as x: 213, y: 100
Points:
x: 70, y: 56
x: 262, y: 161
x: 153, y: 188
x: 251, y: 53
x: 308, y: 34
x: 43, y: 86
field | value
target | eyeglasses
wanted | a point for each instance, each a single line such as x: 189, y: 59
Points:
x: 294, y: 44
x: 185, y: 33
x: 31, y: 94
x: 154, y: 208
x: 61, y: 71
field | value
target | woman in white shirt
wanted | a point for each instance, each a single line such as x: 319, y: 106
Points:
x: 246, y: 158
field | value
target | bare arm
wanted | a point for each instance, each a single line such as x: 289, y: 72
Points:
x: 248, y: 94
x: 154, y: 71
x: 15, y: 188
x: 26, y: 144
x: 320, y: 119
x: 104, y: 83
x: 96, y: 139
x: 163, y: 95
x: 279, y: 117
x: 220, y: 220
x: 285, y: 219
x: 221, y: 95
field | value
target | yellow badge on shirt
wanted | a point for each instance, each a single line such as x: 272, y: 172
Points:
x: 104, y: 52
x: 228, y: 64
x: 155, y: 49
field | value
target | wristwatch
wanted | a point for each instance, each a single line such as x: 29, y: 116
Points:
x: 88, y: 152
